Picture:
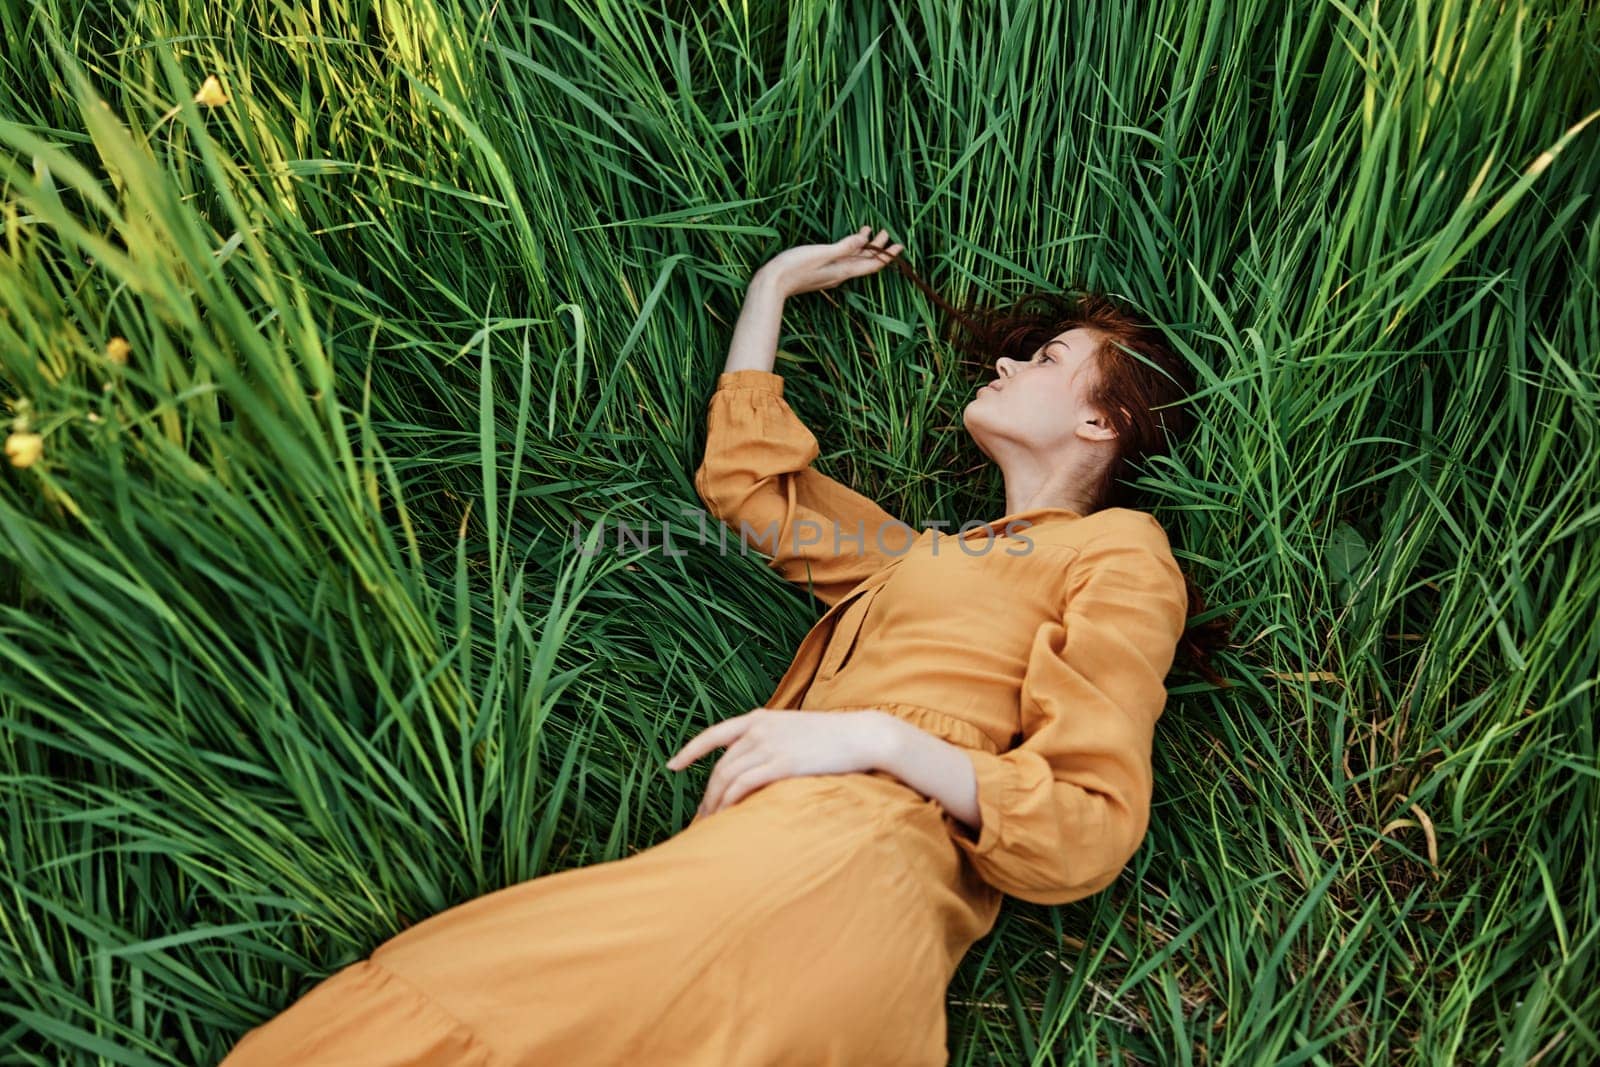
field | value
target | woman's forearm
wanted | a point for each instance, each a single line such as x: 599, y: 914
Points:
x: 933, y: 767
x: 755, y: 336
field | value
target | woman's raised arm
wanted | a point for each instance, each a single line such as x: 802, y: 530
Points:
x: 756, y: 476
x: 801, y: 269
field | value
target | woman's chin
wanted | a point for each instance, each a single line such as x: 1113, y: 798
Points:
x: 974, y: 425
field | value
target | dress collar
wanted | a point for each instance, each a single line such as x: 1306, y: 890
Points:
x: 1031, y: 517
x: 1036, y: 515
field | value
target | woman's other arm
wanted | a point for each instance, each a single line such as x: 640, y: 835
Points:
x: 1058, y: 817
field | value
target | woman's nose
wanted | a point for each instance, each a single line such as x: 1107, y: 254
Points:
x: 1005, y: 366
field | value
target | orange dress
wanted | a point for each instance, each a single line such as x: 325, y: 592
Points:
x: 820, y: 919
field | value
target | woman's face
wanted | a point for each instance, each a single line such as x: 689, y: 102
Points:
x: 1039, y: 405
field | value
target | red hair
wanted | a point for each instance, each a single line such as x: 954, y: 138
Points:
x: 1141, y: 388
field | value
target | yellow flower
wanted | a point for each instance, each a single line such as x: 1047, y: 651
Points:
x: 22, y: 449
x: 117, y: 350
x: 211, y: 93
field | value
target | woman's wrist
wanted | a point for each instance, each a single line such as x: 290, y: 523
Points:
x: 931, y: 765
x: 770, y: 282
x: 886, y: 744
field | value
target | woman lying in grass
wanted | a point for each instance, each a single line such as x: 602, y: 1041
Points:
x: 972, y: 716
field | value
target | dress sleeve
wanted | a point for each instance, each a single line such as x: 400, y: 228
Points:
x: 1064, y: 811
x: 757, y: 479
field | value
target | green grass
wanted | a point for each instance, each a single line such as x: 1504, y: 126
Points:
x: 294, y: 645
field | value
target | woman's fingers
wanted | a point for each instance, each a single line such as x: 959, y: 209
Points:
x: 748, y: 781
x: 733, y: 763
x: 717, y: 735
x: 865, y: 237
x: 808, y: 268
x: 873, y: 258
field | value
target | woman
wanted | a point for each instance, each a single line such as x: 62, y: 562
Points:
x: 972, y: 716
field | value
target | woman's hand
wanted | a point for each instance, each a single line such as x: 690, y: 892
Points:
x: 767, y: 744
x: 808, y: 268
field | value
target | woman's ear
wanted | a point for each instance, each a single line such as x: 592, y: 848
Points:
x: 1096, y: 429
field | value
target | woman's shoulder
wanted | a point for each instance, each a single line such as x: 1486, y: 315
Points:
x: 1130, y: 522
x: 1108, y: 527
x: 1114, y: 529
